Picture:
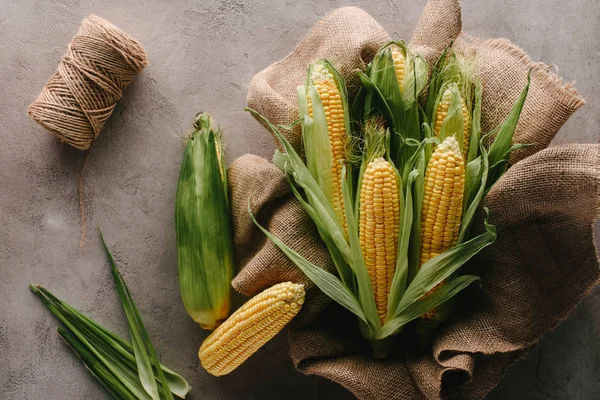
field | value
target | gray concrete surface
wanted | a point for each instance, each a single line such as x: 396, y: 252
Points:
x: 202, y: 56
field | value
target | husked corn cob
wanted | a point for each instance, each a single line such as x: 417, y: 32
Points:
x: 442, y: 202
x: 378, y: 229
x: 250, y: 327
x: 331, y: 98
x: 399, y: 63
x: 442, y: 112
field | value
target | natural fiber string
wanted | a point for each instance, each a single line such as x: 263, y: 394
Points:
x: 80, y: 195
x: 100, y: 62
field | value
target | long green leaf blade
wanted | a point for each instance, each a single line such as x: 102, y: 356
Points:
x: 400, y: 278
x: 365, y: 290
x: 97, y: 368
x: 327, y: 282
x: 119, y: 370
x: 112, y: 348
x: 442, y: 266
x: 425, y: 304
x: 145, y: 355
x: 500, y: 149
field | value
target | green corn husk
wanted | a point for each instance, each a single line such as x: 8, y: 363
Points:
x: 316, y: 137
x: 128, y: 371
x: 203, y: 225
x: 394, y: 99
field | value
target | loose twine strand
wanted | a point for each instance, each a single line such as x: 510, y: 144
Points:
x: 101, y: 60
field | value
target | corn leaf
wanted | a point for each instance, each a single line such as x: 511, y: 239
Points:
x: 341, y: 265
x: 425, y: 304
x: 317, y: 146
x: 418, y: 192
x: 453, y: 124
x: 435, y: 84
x: 473, y: 150
x: 118, y: 369
x: 440, y: 268
x: 472, y: 181
x: 400, y: 278
x: 110, y: 347
x: 143, y: 350
x: 375, y: 103
x: 477, y: 177
x: 326, y: 281
x: 501, y: 147
x: 97, y: 368
x: 365, y: 290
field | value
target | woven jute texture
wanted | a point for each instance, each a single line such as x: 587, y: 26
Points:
x: 101, y: 60
x: 542, y: 264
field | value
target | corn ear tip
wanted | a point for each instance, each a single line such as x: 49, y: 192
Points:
x: 202, y: 120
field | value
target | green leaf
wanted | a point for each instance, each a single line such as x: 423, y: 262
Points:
x: 435, y: 84
x: 342, y: 267
x: 97, y: 368
x: 327, y: 282
x: 400, y: 278
x: 120, y: 370
x: 317, y: 146
x: 425, y: 304
x: 441, y: 267
x: 414, y: 251
x: 375, y: 102
x: 472, y: 182
x: 453, y: 124
x: 116, y: 352
x: 145, y: 354
x: 500, y: 149
x: 365, y: 291
x: 475, y: 124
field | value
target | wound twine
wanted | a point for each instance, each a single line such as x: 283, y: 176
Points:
x: 101, y: 60
x: 77, y: 100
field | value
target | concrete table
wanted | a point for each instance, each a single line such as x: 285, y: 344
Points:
x: 202, y: 57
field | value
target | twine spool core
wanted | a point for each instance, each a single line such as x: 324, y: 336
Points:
x: 101, y: 60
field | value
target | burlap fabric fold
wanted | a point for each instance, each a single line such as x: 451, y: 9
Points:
x: 543, y: 263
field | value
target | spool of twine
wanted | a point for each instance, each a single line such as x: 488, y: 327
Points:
x: 100, y: 62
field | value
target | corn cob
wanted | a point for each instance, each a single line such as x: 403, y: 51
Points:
x: 442, y: 112
x: 378, y: 229
x: 250, y: 327
x: 399, y: 63
x: 331, y: 99
x: 202, y: 222
x: 442, y: 202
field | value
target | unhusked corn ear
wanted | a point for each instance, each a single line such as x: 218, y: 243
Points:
x: 399, y: 63
x: 250, y: 327
x: 331, y: 99
x: 442, y: 202
x: 442, y: 112
x: 379, y: 226
x: 203, y: 226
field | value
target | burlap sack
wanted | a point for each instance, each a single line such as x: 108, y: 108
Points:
x: 543, y: 263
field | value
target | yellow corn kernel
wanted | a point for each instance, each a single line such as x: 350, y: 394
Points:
x: 442, y: 202
x: 250, y: 327
x: 378, y: 229
x: 399, y: 63
x: 331, y: 98
x: 442, y: 112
